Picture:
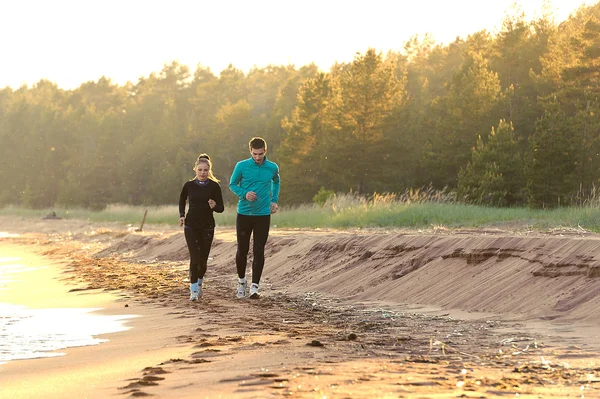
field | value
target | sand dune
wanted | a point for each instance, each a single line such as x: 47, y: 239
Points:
x: 546, y: 277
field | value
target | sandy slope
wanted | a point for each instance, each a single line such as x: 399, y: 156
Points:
x: 357, y: 314
x: 545, y: 277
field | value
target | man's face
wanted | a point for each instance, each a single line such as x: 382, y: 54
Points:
x: 258, y: 154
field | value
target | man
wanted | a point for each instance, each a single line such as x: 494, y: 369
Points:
x: 256, y: 183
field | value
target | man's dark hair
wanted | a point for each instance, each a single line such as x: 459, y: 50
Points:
x: 257, y: 143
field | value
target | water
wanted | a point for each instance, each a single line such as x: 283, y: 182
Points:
x: 27, y: 333
x: 34, y: 332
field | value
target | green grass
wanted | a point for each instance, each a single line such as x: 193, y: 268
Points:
x: 426, y: 215
x: 352, y: 212
x: 127, y: 214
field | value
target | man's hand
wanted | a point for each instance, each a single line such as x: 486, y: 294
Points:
x: 274, y: 207
x: 181, y: 221
x: 212, y: 203
x: 251, y: 196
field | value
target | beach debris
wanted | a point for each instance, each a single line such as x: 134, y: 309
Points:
x: 511, y: 340
x: 137, y: 229
x: 143, y: 220
x: 352, y: 337
x: 51, y: 216
x: 315, y: 342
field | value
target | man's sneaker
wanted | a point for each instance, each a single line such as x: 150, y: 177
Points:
x: 194, y: 295
x: 241, y: 288
x: 254, y: 291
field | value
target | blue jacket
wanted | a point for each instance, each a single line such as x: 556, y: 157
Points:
x: 263, y: 179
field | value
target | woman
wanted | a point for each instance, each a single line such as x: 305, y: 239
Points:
x: 203, y: 195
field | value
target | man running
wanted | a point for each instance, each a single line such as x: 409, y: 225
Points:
x: 256, y: 183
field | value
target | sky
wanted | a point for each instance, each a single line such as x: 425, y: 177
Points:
x: 71, y: 42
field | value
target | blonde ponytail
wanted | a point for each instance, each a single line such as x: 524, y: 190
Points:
x: 204, y: 158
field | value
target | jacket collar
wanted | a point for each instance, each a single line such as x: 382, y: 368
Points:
x: 265, y: 160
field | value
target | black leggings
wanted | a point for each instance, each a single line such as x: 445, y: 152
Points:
x: 198, y: 241
x: 259, y: 227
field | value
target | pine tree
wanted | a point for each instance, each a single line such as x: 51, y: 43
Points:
x: 302, y: 157
x: 369, y: 91
x: 463, y: 114
x: 552, y: 161
x: 494, y: 176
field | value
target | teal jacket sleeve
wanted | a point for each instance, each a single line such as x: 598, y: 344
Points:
x: 234, y: 182
x: 276, y: 186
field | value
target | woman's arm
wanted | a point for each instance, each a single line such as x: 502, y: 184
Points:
x: 218, y: 198
x: 182, y: 200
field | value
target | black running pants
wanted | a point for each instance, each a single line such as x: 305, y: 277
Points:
x: 258, y: 227
x: 199, y: 241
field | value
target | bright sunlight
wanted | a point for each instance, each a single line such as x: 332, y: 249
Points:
x: 70, y: 42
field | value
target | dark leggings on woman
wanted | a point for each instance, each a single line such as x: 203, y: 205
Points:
x: 259, y: 227
x: 198, y: 241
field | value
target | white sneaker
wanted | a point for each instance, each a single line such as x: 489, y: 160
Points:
x: 195, y: 291
x: 254, y: 291
x: 241, y: 288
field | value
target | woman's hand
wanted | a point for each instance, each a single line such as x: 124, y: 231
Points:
x: 181, y: 221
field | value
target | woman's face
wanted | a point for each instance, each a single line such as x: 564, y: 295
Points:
x: 202, y: 171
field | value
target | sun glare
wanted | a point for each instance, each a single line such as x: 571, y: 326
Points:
x: 60, y: 42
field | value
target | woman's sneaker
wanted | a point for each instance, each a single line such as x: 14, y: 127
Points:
x: 195, y: 291
x: 254, y: 291
x: 241, y: 288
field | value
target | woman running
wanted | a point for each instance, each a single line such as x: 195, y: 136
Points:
x: 203, y: 195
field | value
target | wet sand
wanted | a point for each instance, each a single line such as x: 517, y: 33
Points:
x: 352, y: 314
x: 89, y: 371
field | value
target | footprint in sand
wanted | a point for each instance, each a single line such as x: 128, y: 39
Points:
x: 154, y: 370
x: 207, y: 353
x: 146, y: 381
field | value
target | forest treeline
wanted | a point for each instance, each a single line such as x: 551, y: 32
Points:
x: 505, y: 119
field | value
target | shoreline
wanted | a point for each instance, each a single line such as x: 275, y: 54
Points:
x: 303, y: 342
x: 92, y: 370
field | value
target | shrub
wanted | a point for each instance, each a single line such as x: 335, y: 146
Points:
x: 322, y: 196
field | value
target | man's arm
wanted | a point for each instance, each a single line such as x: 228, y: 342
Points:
x: 234, y: 182
x: 275, y: 186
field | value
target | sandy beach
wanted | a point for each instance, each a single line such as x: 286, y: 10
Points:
x: 344, y: 314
